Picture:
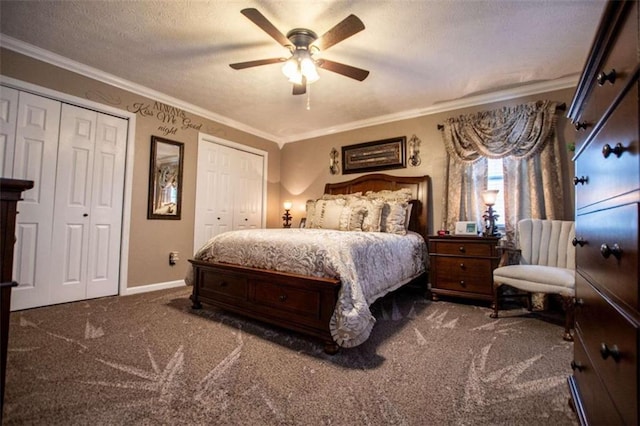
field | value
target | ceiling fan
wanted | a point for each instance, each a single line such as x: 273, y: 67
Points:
x: 300, y: 67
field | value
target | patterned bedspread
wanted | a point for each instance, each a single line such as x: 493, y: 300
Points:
x: 369, y: 265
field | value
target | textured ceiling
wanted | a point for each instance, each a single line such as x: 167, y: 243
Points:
x: 420, y: 54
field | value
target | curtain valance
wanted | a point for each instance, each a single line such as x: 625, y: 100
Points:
x: 519, y: 132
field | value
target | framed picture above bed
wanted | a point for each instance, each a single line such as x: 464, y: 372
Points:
x: 165, y: 179
x: 377, y: 155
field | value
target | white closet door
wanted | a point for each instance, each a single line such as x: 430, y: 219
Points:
x: 72, y: 213
x: 214, y: 192
x: 35, y: 154
x: 8, y: 123
x: 106, y: 207
x: 248, y: 191
x: 88, y: 210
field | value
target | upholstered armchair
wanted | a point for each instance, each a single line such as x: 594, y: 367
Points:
x: 544, y: 262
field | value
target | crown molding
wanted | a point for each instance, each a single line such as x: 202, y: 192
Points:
x: 96, y: 74
x: 471, y: 101
x: 104, y: 77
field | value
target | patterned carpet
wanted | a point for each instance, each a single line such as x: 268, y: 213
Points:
x: 149, y: 359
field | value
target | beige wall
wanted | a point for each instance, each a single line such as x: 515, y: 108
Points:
x: 305, y: 164
x: 150, y: 241
x: 297, y: 172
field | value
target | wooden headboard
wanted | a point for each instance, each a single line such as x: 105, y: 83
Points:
x: 418, y: 185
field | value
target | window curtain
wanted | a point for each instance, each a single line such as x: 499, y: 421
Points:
x: 524, y: 137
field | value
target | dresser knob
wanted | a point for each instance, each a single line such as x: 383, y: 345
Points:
x: 578, y: 302
x: 461, y: 249
x: 617, y: 150
x: 223, y: 283
x: 576, y: 366
x: 578, y: 242
x: 603, y: 77
x: 580, y: 125
x: 613, y: 352
x: 283, y: 297
x: 607, y: 251
x: 462, y: 266
x: 462, y: 283
x: 580, y: 180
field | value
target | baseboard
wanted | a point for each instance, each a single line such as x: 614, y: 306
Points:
x: 153, y: 287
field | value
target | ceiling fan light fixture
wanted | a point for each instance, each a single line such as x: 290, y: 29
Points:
x: 308, y: 69
x: 290, y: 68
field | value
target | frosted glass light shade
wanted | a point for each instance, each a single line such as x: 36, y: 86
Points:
x: 489, y: 196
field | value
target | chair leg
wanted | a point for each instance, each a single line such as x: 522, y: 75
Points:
x: 568, y: 305
x: 495, y: 301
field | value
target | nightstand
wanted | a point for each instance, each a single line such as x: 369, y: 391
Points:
x: 462, y: 266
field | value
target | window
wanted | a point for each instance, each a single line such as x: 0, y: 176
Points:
x: 496, y: 181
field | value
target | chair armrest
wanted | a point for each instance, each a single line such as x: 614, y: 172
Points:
x: 510, y: 256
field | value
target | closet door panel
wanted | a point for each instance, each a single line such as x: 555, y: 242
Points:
x: 8, y: 122
x: 35, y: 157
x: 248, y: 203
x: 72, y: 213
x: 106, y: 207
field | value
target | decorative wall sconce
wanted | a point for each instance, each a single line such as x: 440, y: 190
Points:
x: 414, y: 151
x: 334, y: 167
x: 287, y: 216
x: 490, y: 216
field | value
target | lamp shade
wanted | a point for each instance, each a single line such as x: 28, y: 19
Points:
x: 489, y: 196
x: 287, y: 205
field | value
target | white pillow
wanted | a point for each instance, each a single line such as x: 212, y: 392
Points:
x: 351, y: 218
x: 311, y: 211
x: 402, y: 194
x: 327, y: 213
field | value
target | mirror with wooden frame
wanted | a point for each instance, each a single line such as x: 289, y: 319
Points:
x: 165, y: 179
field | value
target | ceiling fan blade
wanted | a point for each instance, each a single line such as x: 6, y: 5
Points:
x: 259, y: 19
x: 300, y: 89
x: 344, y: 29
x: 249, y: 64
x: 346, y: 70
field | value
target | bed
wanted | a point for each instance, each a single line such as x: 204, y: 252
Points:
x: 307, y: 301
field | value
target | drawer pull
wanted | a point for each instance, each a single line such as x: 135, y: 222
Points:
x: 581, y: 125
x: 617, y: 150
x: 223, y: 283
x: 580, y: 180
x: 578, y: 242
x: 607, y: 251
x: 461, y: 249
x: 283, y: 297
x: 603, y: 77
x: 462, y: 266
x: 462, y: 283
x: 578, y: 302
x: 576, y: 366
x: 613, y: 352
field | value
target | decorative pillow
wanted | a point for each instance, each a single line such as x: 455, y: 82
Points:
x: 347, y: 197
x: 373, y: 212
x: 327, y: 214
x: 394, y: 218
x: 402, y: 195
x: 311, y: 211
x: 351, y: 218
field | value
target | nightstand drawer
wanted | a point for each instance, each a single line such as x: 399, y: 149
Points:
x: 464, y: 274
x: 462, y: 248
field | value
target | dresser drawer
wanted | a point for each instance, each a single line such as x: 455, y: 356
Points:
x: 464, y: 274
x: 606, y: 176
x: 462, y: 248
x: 608, y: 228
x: 594, y: 398
x: 285, y: 301
x: 222, y: 286
x: 611, y: 342
x: 622, y: 60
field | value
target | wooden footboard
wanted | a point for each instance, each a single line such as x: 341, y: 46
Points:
x: 295, y: 302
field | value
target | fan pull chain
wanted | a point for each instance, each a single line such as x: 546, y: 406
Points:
x: 308, y: 97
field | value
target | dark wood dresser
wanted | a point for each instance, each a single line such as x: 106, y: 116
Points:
x: 604, y: 383
x: 462, y: 266
x: 10, y: 193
